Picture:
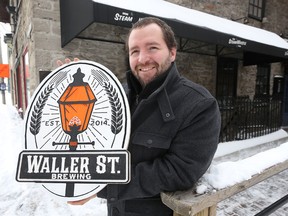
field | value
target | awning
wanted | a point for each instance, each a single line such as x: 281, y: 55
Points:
x: 257, y: 45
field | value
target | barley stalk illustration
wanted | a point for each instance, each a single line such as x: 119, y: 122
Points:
x: 116, y: 107
x: 36, y: 115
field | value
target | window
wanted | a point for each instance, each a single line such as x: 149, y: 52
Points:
x: 262, y: 80
x: 26, y: 74
x: 226, y: 78
x: 256, y: 9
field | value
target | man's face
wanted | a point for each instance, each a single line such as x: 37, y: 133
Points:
x: 149, y: 55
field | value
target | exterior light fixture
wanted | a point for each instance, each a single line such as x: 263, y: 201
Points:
x: 8, y: 39
x: 245, y: 19
x: 76, y: 105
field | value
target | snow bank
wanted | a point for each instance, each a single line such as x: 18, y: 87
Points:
x: 229, y: 173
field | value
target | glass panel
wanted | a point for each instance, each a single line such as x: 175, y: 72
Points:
x: 27, y: 75
x: 259, y: 13
x: 260, y: 3
x: 255, y: 11
x: 262, y: 80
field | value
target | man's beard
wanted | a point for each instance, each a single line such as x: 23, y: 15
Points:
x: 159, y: 70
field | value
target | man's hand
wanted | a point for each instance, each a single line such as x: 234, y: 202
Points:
x: 83, y: 201
x: 67, y: 60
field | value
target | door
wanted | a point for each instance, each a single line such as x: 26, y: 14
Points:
x: 226, y: 78
x: 285, y: 102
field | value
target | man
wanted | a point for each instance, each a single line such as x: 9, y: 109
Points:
x: 175, y: 125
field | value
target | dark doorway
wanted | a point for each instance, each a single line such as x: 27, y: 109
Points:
x: 226, y: 78
x: 285, y: 102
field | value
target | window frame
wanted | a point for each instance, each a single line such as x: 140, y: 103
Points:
x: 256, y: 9
x: 262, y: 85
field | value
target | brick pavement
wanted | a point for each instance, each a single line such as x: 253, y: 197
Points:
x: 256, y: 198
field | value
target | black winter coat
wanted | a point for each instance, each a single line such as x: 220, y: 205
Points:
x: 174, y: 135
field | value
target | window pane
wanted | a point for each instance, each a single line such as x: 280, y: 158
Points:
x: 262, y: 80
x: 255, y: 11
x: 260, y: 3
x: 259, y: 13
x: 27, y: 76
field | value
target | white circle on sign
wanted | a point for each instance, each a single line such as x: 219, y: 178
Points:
x: 78, y: 107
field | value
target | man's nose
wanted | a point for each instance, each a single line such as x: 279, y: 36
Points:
x: 143, y: 57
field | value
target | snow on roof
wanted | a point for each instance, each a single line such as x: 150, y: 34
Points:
x: 172, y: 11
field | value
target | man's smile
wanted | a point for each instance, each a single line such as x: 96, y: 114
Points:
x: 146, y: 69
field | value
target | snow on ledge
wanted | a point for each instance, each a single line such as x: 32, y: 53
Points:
x: 229, y: 173
x: 234, y: 146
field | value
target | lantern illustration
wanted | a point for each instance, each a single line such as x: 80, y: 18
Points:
x: 76, y: 105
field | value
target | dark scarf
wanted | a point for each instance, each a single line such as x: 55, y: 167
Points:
x: 137, y: 93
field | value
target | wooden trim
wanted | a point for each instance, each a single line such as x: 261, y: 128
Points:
x: 188, y: 203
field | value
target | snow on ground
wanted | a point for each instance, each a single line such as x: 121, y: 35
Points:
x: 30, y: 199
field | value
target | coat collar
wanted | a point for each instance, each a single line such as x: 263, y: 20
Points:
x: 160, y: 93
x: 165, y: 106
x: 163, y: 99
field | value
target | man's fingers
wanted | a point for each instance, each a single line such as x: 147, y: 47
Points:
x: 59, y: 63
x: 66, y: 61
x: 81, y: 202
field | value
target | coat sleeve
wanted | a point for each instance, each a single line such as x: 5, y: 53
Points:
x: 189, y: 156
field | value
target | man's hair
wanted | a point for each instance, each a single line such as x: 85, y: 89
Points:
x: 168, y: 34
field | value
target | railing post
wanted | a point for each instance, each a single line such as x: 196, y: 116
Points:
x: 210, y: 211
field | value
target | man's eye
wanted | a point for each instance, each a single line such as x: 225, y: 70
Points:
x: 134, y: 52
x: 153, y: 48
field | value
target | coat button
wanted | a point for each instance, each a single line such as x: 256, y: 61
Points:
x: 115, y: 211
x: 167, y: 115
x: 112, y: 199
x: 149, y: 141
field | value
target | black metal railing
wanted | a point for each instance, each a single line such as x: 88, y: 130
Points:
x: 273, y: 207
x: 243, y: 118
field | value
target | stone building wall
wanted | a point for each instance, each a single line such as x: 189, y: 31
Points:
x: 46, y: 22
x: 44, y: 42
x: 198, y: 68
x: 277, y: 19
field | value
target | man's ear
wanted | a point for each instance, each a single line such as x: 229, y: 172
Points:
x: 173, y: 52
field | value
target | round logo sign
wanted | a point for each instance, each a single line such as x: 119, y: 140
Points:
x: 77, y: 130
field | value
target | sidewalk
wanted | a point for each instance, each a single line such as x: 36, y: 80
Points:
x: 256, y: 198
